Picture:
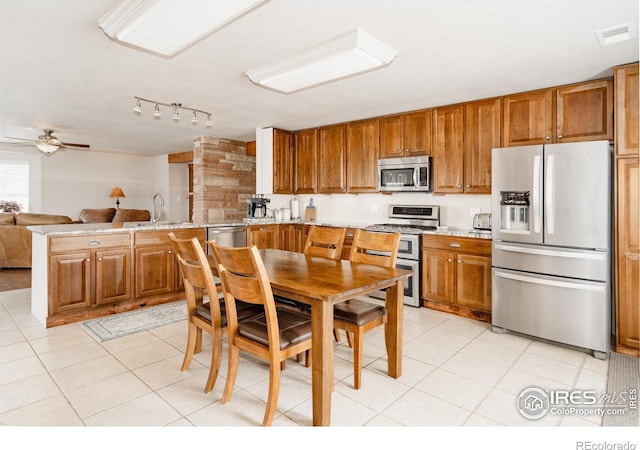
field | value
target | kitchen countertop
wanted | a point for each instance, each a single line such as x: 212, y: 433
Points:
x: 83, y: 228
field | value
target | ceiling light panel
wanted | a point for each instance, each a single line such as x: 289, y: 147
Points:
x: 350, y: 54
x: 166, y: 27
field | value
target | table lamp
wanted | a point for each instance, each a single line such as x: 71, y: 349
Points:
x: 117, y: 193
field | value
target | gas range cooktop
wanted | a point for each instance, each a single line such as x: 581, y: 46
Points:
x: 398, y: 227
x: 409, y: 219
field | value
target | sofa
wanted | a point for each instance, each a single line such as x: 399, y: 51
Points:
x: 114, y: 215
x: 15, y: 239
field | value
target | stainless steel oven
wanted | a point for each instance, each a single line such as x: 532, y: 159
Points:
x: 408, y: 259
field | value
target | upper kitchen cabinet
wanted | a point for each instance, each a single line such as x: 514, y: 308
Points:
x: 528, y: 118
x: 306, y: 161
x: 583, y: 112
x: 282, y: 162
x: 405, y: 134
x: 274, y: 161
x: 362, y: 156
x: 448, y: 149
x: 332, y: 154
x: 626, y: 86
x: 463, y: 136
x: 482, y: 132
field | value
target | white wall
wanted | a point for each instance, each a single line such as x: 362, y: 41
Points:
x: 455, y: 210
x: 69, y: 180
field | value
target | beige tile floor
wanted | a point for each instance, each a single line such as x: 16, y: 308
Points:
x: 456, y: 372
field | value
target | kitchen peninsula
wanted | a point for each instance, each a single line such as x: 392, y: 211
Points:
x: 83, y: 271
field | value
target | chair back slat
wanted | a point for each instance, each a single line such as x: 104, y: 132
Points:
x: 325, y: 241
x: 365, y: 242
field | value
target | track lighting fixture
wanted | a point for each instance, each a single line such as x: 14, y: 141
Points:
x: 176, y: 107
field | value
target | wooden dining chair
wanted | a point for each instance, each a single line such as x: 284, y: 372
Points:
x: 358, y: 316
x: 325, y: 241
x: 274, y: 336
x: 210, y: 316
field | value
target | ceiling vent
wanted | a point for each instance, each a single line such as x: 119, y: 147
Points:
x: 616, y: 35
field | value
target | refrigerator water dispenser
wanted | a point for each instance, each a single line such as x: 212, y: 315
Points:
x: 514, y: 210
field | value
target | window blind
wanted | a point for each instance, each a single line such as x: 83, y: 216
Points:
x: 14, y: 182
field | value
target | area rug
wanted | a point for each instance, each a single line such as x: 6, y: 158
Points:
x: 123, y: 324
x: 623, y: 383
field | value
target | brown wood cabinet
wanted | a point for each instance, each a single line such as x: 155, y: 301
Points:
x: 628, y: 256
x: 85, y: 271
x: 292, y: 237
x: 264, y: 236
x: 572, y: 113
x: 406, y: 134
x: 627, y: 211
x: 448, y: 149
x: 332, y: 159
x: 528, y: 118
x: 456, y: 275
x: 362, y: 156
x: 156, y: 267
x: 282, y: 162
x: 482, y: 133
x: 626, y: 98
x: 306, y: 161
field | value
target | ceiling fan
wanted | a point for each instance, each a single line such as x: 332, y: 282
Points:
x: 48, y: 143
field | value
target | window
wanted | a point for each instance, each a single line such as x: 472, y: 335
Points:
x: 14, y: 182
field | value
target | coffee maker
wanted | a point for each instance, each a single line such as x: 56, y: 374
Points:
x: 257, y: 206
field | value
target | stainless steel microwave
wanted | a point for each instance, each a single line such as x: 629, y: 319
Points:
x: 411, y: 174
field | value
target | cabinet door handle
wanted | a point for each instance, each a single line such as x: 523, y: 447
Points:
x: 449, y: 260
x: 560, y: 136
x: 468, y: 185
x: 454, y: 244
x: 459, y: 262
x: 548, y: 138
x: 94, y: 243
x: 169, y: 252
x: 100, y: 259
x: 88, y: 260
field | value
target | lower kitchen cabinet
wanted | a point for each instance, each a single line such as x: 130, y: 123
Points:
x: 157, y: 271
x: 87, y: 271
x: 264, y: 236
x: 292, y: 237
x: 456, y: 275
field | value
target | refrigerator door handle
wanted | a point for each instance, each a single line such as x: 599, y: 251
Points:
x: 547, y: 252
x: 549, y: 194
x: 536, y: 194
x: 546, y: 282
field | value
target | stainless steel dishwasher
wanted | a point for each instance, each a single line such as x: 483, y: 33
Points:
x: 228, y: 235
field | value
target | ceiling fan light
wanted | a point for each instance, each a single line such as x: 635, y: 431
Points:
x: 47, y: 147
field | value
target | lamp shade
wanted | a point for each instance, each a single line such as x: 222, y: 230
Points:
x: 116, y: 192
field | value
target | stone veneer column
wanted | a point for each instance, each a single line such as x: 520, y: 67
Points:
x: 224, y: 177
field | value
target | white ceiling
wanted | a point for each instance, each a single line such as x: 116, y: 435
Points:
x: 59, y: 70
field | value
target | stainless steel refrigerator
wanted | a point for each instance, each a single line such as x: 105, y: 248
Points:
x: 551, y: 229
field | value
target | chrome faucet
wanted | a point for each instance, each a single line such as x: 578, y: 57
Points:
x: 155, y: 219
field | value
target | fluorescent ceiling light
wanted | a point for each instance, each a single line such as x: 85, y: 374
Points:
x: 166, y: 27
x: 350, y: 54
x: 616, y: 35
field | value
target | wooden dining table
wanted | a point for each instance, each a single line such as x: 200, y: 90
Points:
x: 321, y: 283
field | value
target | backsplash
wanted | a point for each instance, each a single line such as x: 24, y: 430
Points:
x: 455, y: 210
